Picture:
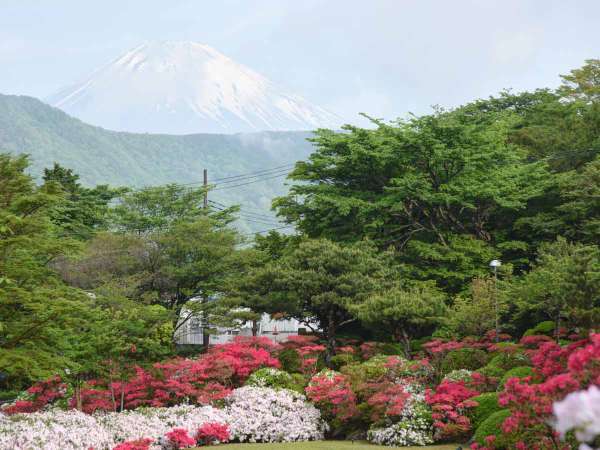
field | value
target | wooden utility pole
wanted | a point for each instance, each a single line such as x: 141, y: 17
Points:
x: 205, y: 324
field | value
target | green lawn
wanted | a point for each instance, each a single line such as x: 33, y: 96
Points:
x: 325, y: 445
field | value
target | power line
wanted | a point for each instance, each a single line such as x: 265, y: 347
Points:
x: 249, y: 182
x: 289, y: 165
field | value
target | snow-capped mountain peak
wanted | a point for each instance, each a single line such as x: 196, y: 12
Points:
x: 185, y: 87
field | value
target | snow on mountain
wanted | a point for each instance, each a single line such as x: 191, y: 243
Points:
x: 186, y: 87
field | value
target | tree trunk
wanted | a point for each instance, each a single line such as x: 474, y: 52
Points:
x: 402, y: 337
x: 330, y: 336
x: 557, y: 326
x: 254, y: 328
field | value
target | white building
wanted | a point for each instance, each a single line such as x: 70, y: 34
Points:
x: 278, y: 330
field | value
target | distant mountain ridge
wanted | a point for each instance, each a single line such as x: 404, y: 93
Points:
x: 182, y: 87
x: 100, y: 156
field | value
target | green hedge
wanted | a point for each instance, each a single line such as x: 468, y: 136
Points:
x: 493, y: 426
x: 487, y: 405
x: 464, y: 358
x: 518, y: 372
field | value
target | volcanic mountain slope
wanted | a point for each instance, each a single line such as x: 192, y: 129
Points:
x: 186, y: 87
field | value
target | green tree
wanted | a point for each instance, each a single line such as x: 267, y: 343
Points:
x: 405, y: 312
x: 441, y: 189
x: 81, y: 211
x: 320, y: 283
x: 563, y: 286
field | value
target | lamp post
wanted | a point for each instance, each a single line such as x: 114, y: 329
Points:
x: 494, y: 264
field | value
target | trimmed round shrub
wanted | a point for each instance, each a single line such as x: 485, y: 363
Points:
x: 360, y: 373
x: 492, y: 426
x: 392, y: 349
x: 518, y: 372
x: 487, y: 404
x: 338, y: 361
x: 507, y: 361
x: 546, y: 327
x: 492, y: 371
x: 290, y: 360
x: 271, y: 378
x: 464, y: 358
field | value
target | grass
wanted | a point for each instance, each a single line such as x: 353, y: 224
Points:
x: 325, y: 445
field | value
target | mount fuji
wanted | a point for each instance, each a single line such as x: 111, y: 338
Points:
x: 183, y: 88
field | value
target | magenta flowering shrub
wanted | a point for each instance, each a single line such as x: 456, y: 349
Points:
x: 213, y: 433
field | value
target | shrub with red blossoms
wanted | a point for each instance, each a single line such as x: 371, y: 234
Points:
x: 449, y: 403
x: 388, y: 401
x: 212, y: 433
x: 308, y: 350
x: 534, y: 341
x: 140, y: 444
x: 40, y: 394
x: 179, y: 438
x: 564, y: 370
x: 331, y: 392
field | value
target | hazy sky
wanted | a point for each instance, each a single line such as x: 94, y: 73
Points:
x: 383, y: 57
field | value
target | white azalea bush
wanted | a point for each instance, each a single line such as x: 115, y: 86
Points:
x: 53, y: 430
x: 579, y: 412
x: 253, y: 414
x: 413, y: 427
x: 154, y: 423
x: 266, y: 415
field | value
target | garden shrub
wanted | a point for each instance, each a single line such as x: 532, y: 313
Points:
x: 507, y: 361
x: 463, y: 375
x: 487, y: 404
x: 414, y: 428
x: 492, y: 371
x: 268, y: 415
x: 492, y: 426
x: 359, y: 373
x: 338, y: 361
x: 546, y: 327
x: 390, y: 348
x: 464, y: 358
x: 271, y: 378
x: 517, y: 372
x: 290, y: 360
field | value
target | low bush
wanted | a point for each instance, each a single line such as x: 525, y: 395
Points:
x: 546, y: 327
x: 338, y: 361
x: 487, y: 404
x: 464, y: 358
x: 507, y: 361
x: 492, y: 426
x: 290, y: 360
x: 271, y: 378
x: 517, y: 372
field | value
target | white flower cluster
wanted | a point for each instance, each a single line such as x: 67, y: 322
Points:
x: 403, y: 434
x: 459, y: 375
x: 267, y: 415
x: 155, y: 422
x: 415, y: 424
x: 53, y: 430
x: 253, y: 414
x: 579, y: 411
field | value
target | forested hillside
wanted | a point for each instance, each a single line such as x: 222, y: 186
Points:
x: 101, y: 156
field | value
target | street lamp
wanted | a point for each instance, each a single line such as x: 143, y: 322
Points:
x: 494, y: 264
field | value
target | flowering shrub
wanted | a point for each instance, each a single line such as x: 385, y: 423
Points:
x: 450, y: 402
x: 579, y: 412
x: 212, y: 433
x: 53, y: 429
x: 179, y: 438
x: 332, y: 394
x: 270, y: 377
x: 463, y: 375
x: 155, y: 423
x: 267, y: 415
x: 413, y: 423
x: 140, y: 444
x: 38, y: 396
